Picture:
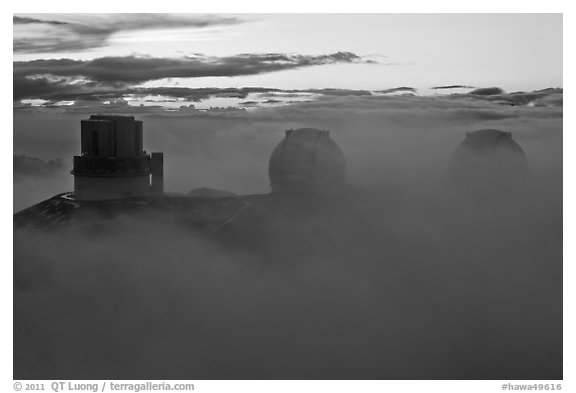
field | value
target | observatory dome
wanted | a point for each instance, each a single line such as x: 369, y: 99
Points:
x: 489, y: 156
x: 491, y: 141
x: 306, y: 161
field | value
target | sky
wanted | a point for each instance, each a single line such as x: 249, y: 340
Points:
x: 517, y: 52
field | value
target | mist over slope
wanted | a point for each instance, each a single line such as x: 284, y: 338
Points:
x: 384, y: 138
x: 405, y: 276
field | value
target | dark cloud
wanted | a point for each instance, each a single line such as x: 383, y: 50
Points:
x: 487, y: 91
x: 132, y: 69
x: 544, y: 97
x: 25, y: 166
x: 42, y: 78
x: 452, y: 87
x: 83, y: 33
x: 38, y: 88
x: 335, y: 92
x: 19, y: 20
x: 42, y: 88
x: 398, y: 89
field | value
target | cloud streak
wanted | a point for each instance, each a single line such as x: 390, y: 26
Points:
x: 40, y: 78
x: 23, y: 20
x: 39, y: 35
x: 133, y: 69
x: 25, y: 166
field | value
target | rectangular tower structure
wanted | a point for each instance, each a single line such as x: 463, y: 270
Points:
x: 112, y: 163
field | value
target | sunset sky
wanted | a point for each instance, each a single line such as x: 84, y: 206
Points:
x: 120, y: 52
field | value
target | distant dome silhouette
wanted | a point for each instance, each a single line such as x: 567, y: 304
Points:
x: 489, y: 157
x: 307, y: 161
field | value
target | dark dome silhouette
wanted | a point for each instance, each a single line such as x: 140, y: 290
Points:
x: 306, y: 161
x: 491, y: 141
x: 489, y: 157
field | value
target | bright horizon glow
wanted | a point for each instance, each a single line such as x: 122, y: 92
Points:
x: 517, y: 52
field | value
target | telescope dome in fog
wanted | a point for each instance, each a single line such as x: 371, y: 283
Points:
x: 306, y: 161
x: 489, y: 157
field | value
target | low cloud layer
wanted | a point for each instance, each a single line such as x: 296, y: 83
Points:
x: 544, y: 97
x: 25, y: 166
x: 36, y: 179
x: 73, y: 33
x: 378, y: 133
x: 408, y: 279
